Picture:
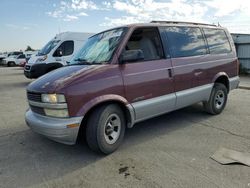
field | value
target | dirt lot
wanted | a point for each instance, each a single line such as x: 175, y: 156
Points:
x: 169, y: 151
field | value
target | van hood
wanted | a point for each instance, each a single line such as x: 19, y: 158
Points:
x: 33, y: 59
x: 54, y: 81
x: 10, y: 59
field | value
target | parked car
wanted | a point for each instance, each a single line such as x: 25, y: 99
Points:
x: 129, y: 74
x: 2, y: 56
x: 55, y: 53
x: 14, y: 60
x: 28, y: 54
x: 10, y: 55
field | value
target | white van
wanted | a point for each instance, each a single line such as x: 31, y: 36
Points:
x: 56, y: 53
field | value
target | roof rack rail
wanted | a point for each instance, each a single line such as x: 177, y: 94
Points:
x: 177, y: 22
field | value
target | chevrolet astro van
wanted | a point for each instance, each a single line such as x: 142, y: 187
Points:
x: 129, y: 74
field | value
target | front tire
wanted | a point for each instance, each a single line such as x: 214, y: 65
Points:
x: 11, y: 64
x: 105, y: 129
x: 218, y: 99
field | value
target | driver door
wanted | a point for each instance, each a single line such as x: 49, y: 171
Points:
x: 64, y: 52
x: 148, y: 82
x: 21, y: 59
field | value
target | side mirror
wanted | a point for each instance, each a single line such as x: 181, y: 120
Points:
x: 131, y: 55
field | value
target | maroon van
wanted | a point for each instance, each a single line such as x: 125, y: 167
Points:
x: 129, y: 74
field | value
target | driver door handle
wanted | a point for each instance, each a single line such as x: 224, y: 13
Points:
x: 170, y: 73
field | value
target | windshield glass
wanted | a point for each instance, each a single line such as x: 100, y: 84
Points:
x: 99, y: 48
x: 48, y: 47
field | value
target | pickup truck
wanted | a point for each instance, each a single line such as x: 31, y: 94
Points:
x: 14, y: 60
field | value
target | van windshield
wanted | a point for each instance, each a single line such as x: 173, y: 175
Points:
x: 100, y: 48
x: 48, y: 47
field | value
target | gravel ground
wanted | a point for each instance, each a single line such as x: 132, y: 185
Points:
x: 172, y: 150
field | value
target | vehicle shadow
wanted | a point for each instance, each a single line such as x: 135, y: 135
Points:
x: 15, y: 85
x: 19, y: 84
x: 27, y: 155
x: 13, y: 68
x: 165, y: 124
x: 46, y: 159
x: 20, y: 72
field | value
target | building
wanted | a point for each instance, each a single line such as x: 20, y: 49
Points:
x: 242, y: 44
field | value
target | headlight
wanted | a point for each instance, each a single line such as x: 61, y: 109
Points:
x: 41, y: 59
x: 61, y: 113
x: 53, y: 98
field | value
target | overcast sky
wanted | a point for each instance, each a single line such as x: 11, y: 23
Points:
x: 34, y: 22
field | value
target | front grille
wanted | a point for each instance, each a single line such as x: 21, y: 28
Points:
x: 27, y: 67
x: 37, y: 110
x: 34, y: 97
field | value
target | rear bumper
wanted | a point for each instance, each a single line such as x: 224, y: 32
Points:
x: 54, y: 128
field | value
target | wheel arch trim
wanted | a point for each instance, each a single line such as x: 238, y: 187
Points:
x: 112, y: 98
x: 221, y: 75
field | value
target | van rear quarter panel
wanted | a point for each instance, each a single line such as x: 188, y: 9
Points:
x: 103, y: 84
x: 200, y: 70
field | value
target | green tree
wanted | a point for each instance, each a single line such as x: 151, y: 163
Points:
x: 29, y: 48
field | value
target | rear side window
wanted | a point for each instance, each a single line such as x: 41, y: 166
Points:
x: 68, y: 47
x: 217, y: 41
x: 17, y: 53
x: 21, y: 56
x: 185, y: 41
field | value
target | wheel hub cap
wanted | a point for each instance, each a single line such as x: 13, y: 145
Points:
x: 112, y: 129
x: 219, y: 99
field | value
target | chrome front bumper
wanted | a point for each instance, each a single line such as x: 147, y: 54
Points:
x: 54, y: 128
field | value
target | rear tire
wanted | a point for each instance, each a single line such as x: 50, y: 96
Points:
x: 105, y: 129
x: 218, y: 99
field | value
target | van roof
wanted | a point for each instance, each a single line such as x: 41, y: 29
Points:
x: 175, y: 23
x: 73, y: 35
x: 167, y: 23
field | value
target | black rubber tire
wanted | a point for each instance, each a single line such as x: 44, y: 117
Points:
x: 95, y: 129
x: 210, y: 105
x: 11, y: 64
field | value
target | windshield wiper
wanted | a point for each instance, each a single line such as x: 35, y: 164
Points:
x: 84, y: 62
x: 40, y: 54
x: 80, y: 59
